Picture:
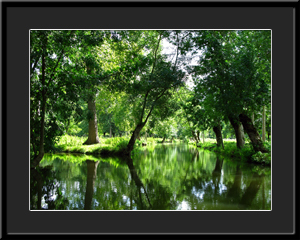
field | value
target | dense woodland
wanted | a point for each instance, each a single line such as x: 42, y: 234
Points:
x: 108, y: 84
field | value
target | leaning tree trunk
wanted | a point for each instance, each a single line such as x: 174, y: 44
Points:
x: 218, y: 132
x: 252, y: 133
x: 237, y: 126
x: 198, y: 136
x: 195, y: 136
x: 138, y: 137
x: 133, y: 138
x: 163, y: 139
x: 93, y: 128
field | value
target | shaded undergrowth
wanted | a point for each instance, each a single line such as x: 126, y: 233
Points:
x: 245, y: 154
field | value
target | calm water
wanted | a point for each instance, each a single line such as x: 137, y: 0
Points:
x: 164, y: 177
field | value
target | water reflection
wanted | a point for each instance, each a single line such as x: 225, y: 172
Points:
x: 90, y: 183
x: 252, y: 190
x: 234, y: 192
x: 137, y: 181
x: 171, y: 177
x: 45, y: 192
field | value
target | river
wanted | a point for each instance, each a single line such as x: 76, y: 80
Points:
x: 160, y: 177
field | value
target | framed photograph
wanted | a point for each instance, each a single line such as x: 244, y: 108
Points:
x: 149, y: 119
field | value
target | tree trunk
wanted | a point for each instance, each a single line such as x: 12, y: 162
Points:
x: 237, y: 126
x: 93, y: 128
x: 218, y: 132
x: 138, y: 136
x: 40, y: 156
x: 163, y: 140
x: 203, y: 136
x: 264, y: 124
x: 252, y: 133
x: 198, y: 136
x: 195, y: 137
x: 133, y: 138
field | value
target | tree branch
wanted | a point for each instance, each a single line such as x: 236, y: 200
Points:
x: 152, y: 107
x: 144, y: 105
x: 155, y: 56
x: 58, y: 60
x: 176, y: 53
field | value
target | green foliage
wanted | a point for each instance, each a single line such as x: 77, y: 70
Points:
x: 267, y: 145
x: 245, y: 154
x: 233, y: 72
x: 264, y: 158
x: 151, y: 141
x: 67, y: 140
x: 57, y: 82
x: 133, y: 81
x: 230, y: 150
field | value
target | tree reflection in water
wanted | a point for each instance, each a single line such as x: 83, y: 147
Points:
x: 137, y: 181
x: 90, y: 183
x: 160, y: 178
x: 44, y: 186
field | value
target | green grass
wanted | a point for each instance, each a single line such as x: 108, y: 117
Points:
x: 78, y: 159
x: 107, y: 146
x: 113, y: 146
x: 245, y: 154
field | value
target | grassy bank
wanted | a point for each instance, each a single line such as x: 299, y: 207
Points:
x: 116, y: 145
x: 106, y: 147
x: 231, y: 151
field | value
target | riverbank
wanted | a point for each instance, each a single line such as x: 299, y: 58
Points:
x: 107, y: 146
x: 115, y: 147
x: 245, y: 154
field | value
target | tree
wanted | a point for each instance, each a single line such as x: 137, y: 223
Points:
x: 152, y: 84
x: 89, y: 59
x: 230, y: 75
x: 48, y: 66
x: 59, y: 77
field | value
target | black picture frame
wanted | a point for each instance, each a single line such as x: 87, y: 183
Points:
x: 19, y: 17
